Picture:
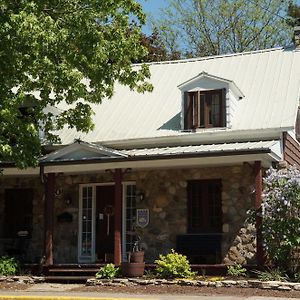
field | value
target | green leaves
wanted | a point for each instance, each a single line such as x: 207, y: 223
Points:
x: 213, y: 27
x: 55, y: 51
x: 173, y: 265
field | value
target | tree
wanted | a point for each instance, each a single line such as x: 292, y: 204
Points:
x: 55, y: 51
x: 157, y: 50
x: 293, y: 13
x: 213, y: 27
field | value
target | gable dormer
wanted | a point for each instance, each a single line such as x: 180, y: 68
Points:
x: 208, y: 101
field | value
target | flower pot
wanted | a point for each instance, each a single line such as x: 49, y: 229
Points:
x: 137, y: 257
x: 130, y: 269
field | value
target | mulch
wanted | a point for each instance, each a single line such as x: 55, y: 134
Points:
x: 189, y: 290
x: 168, y: 289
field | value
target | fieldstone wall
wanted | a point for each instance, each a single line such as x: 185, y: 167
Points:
x: 165, y: 197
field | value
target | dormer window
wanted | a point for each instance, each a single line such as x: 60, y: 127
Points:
x: 205, y: 109
x: 208, y: 101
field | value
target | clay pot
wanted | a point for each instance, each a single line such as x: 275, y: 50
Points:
x: 137, y: 257
x: 130, y: 269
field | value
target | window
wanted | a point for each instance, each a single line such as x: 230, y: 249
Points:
x: 17, y: 212
x: 204, y: 109
x: 204, y: 206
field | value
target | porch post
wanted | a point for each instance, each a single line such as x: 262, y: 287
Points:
x: 258, y: 218
x: 118, y: 216
x: 49, y: 212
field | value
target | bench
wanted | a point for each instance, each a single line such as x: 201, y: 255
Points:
x: 200, y: 248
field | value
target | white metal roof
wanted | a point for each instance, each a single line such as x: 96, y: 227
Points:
x: 269, y: 79
x: 86, y: 151
x: 272, y: 146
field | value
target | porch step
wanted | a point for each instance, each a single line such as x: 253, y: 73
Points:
x: 67, y: 279
x: 70, y: 273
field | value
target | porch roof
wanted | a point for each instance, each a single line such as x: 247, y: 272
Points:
x: 87, y: 158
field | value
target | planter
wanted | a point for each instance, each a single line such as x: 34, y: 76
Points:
x: 137, y: 257
x: 130, y: 269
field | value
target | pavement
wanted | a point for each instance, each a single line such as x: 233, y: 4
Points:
x: 53, y: 291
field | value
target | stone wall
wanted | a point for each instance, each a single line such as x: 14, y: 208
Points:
x: 165, y: 197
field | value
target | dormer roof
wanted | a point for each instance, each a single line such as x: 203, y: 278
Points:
x: 205, y: 75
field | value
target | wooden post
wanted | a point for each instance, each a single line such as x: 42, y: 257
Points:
x: 118, y: 217
x: 49, y: 214
x: 258, y: 218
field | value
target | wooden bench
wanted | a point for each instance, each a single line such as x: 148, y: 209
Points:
x: 200, y: 248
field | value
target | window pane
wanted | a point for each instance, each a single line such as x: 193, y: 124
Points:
x: 202, y: 106
x: 215, y: 110
x: 204, y: 206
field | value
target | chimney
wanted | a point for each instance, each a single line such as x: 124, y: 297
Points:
x: 297, y: 33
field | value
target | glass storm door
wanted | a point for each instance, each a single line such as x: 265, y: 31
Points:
x: 86, y: 225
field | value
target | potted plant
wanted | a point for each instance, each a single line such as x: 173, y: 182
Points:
x: 135, y: 266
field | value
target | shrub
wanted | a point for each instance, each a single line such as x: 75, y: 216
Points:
x: 271, y: 275
x: 236, y: 270
x: 8, y: 265
x: 280, y: 215
x: 173, y: 265
x: 108, y: 271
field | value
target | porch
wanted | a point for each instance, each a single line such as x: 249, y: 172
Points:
x: 73, y: 216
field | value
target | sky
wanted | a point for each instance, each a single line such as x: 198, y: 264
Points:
x: 153, y: 7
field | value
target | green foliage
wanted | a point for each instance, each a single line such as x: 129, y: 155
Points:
x: 8, y: 266
x: 236, y: 270
x: 280, y: 216
x: 56, y: 59
x: 109, y: 271
x: 173, y: 265
x: 213, y: 27
x: 271, y: 275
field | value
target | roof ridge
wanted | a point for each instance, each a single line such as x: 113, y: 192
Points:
x: 195, y: 59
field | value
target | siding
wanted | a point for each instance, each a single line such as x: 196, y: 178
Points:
x: 291, y: 150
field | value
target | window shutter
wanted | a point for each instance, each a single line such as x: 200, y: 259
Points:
x: 223, y: 108
x: 188, y: 111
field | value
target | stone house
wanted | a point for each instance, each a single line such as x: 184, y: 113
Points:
x: 178, y: 167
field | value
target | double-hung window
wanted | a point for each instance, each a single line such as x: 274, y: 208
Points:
x: 204, y: 109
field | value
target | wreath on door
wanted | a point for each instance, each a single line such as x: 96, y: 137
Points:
x: 108, y: 211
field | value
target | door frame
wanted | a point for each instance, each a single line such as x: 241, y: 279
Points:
x: 92, y: 258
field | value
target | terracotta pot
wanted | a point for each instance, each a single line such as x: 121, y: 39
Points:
x: 132, y: 269
x: 137, y: 257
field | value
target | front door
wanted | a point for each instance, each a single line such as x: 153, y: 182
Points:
x: 104, y: 211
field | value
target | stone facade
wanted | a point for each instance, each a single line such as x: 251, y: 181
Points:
x: 165, y: 197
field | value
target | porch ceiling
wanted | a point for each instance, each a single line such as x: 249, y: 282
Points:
x: 167, y: 157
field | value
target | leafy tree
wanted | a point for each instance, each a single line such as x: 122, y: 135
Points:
x: 55, y: 51
x: 157, y: 50
x: 212, y: 27
x: 293, y: 13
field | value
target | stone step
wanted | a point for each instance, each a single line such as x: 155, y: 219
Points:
x: 67, y: 279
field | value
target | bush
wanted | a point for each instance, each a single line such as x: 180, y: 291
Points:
x: 271, y: 275
x: 109, y: 271
x: 236, y: 270
x: 173, y: 265
x: 280, y: 215
x: 8, y: 266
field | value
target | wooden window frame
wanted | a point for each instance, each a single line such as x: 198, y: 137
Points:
x: 204, y: 211
x: 197, y: 111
